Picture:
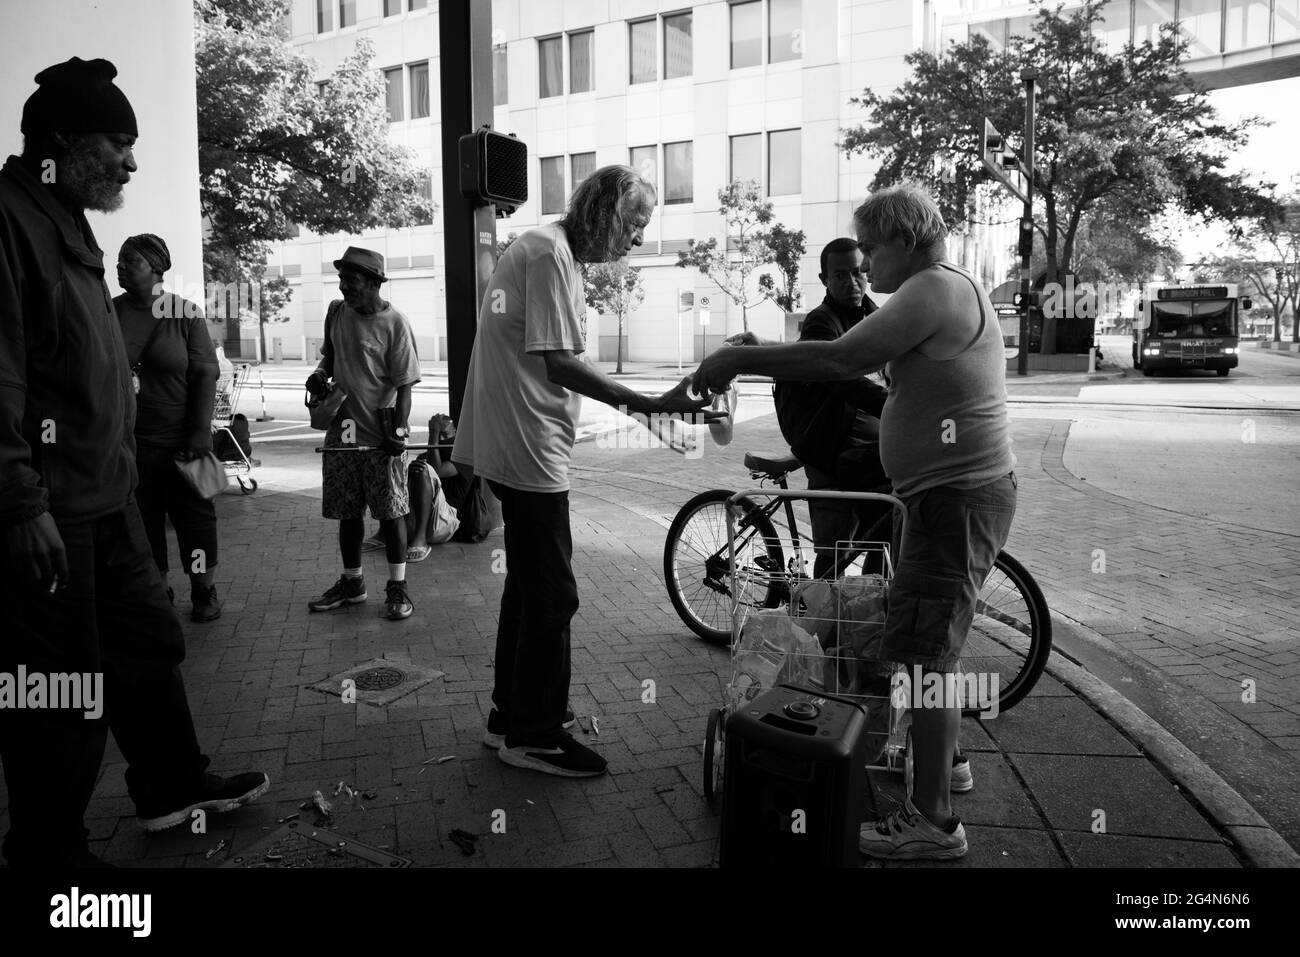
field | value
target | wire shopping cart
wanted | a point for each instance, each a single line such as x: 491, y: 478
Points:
x: 232, y: 451
x: 822, y: 635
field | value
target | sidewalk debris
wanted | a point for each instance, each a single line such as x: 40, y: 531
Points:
x: 466, y: 841
x: 220, y: 846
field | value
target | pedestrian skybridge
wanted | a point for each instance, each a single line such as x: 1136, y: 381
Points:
x: 1232, y: 42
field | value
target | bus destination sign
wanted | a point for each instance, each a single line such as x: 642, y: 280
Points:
x: 1193, y: 292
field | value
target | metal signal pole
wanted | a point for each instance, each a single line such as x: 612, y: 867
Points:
x: 1027, y: 224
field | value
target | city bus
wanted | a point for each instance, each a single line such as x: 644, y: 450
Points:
x: 1187, y: 326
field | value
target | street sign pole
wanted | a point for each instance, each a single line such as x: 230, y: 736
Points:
x: 1027, y: 223
x: 679, y: 332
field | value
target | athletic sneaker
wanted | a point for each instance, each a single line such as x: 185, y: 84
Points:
x: 494, y: 735
x: 216, y: 794
x: 565, y: 758
x: 905, y: 834
x: 345, y: 591
x: 962, y: 778
x: 397, y: 603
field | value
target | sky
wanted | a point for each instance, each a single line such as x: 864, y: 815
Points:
x: 1273, y: 152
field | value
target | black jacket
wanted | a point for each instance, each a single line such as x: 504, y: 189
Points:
x: 817, y: 417
x: 66, y: 404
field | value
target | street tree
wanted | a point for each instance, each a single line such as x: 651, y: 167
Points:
x: 787, y: 247
x: 729, y: 265
x: 275, y: 154
x: 614, y: 289
x: 1125, y: 127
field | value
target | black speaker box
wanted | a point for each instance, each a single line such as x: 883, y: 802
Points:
x: 794, y: 781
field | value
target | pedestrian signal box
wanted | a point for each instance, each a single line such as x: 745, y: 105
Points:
x: 494, y: 170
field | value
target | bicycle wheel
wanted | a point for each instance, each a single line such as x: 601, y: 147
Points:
x: 1010, y: 636
x: 696, y: 568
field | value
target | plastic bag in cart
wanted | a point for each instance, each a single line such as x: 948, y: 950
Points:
x: 772, y: 650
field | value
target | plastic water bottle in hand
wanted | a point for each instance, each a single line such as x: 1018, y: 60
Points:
x: 721, y: 428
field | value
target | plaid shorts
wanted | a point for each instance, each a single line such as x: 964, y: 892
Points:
x: 355, y: 481
x: 952, y: 538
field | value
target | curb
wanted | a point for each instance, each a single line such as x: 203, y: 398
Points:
x: 1249, y: 832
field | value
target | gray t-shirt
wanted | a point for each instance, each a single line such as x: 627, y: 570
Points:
x: 373, y: 357
x: 516, y: 427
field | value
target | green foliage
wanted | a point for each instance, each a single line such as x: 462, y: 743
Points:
x: 1121, y: 130
x: 787, y: 247
x: 613, y: 289
x: 273, y: 153
x: 748, y: 247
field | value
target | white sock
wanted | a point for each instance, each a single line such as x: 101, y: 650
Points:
x: 352, y: 573
x: 397, y: 572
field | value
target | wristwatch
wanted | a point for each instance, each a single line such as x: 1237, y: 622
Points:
x: 402, y: 432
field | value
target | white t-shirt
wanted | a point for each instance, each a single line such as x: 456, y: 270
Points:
x: 516, y: 427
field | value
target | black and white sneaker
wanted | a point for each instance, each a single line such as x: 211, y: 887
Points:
x: 564, y: 758
x: 345, y: 591
x: 494, y: 735
x: 216, y: 794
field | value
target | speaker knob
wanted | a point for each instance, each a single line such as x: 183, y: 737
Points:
x: 802, y: 710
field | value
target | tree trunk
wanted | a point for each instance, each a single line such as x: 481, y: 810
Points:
x: 618, y: 370
x: 1047, y: 341
x: 744, y: 316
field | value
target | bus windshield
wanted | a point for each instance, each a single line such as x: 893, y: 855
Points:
x: 1201, y: 318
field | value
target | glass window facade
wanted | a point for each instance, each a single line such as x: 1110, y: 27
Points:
x: 419, y: 4
x: 347, y: 13
x: 419, y: 90
x: 1115, y: 26
x: 746, y: 34
x: 679, y: 173
x: 500, y: 76
x: 582, y: 165
x: 785, y: 30
x: 392, y: 7
x: 550, y: 68
x: 1201, y: 23
x: 1148, y: 15
x: 747, y: 157
x: 641, y: 50
x: 1247, y: 24
x: 783, y: 163
x: 1286, y: 20
x: 393, y: 94
x: 679, y: 46
x: 552, y: 185
x: 324, y: 16
x: 645, y: 160
x: 582, y: 69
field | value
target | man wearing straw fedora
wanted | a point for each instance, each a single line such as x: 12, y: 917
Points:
x: 369, y: 352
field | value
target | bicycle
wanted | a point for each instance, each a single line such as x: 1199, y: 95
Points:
x: 1010, y: 636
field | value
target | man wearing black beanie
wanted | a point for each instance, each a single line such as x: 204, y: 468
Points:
x: 91, y: 641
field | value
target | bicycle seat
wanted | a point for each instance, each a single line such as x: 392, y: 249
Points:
x: 771, y: 465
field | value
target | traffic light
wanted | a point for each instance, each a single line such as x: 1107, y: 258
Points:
x: 494, y: 169
x: 1002, y: 162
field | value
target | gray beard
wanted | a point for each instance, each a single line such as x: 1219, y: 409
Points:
x: 81, y: 178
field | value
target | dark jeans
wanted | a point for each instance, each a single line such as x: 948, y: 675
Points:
x: 163, y: 494
x: 844, y: 520
x: 539, y: 600
x: 113, y: 618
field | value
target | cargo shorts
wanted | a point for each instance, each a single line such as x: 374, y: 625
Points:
x: 351, y: 482
x: 952, y: 537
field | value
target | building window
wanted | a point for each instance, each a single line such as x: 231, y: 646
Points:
x: 393, y: 94
x: 642, y: 51
x: 419, y: 4
x: 582, y: 72
x: 583, y: 165
x: 500, y: 76
x: 1114, y: 28
x: 746, y: 34
x: 679, y: 47
x: 679, y: 173
x: 1201, y: 22
x: 426, y: 190
x: 785, y: 30
x: 645, y: 160
x: 324, y: 16
x: 783, y: 163
x: 1147, y: 18
x: 419, y: 90
x: 747, y: 157
x: 1247, y: 24
x: 320, y: 87
x: 550, y: 67
x: 552, y: 185
x: 347, y: 13
x: 1286, y: 22
x: 392, y: 7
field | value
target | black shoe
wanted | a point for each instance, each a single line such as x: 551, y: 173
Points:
x: 206, y: 606
x: 564, y: 758
x: 494, y: 735
x: 216, y: 794
x: 345, y: 591
x: 397, y: 603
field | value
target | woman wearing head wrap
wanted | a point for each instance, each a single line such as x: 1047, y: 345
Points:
x: 175, y: 368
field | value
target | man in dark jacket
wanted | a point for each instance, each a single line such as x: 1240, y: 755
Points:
x: 90, y: 639
x: 834, y: 427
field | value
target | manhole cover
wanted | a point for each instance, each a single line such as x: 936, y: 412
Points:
x: 298, y: 845
x: 378, y: 679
